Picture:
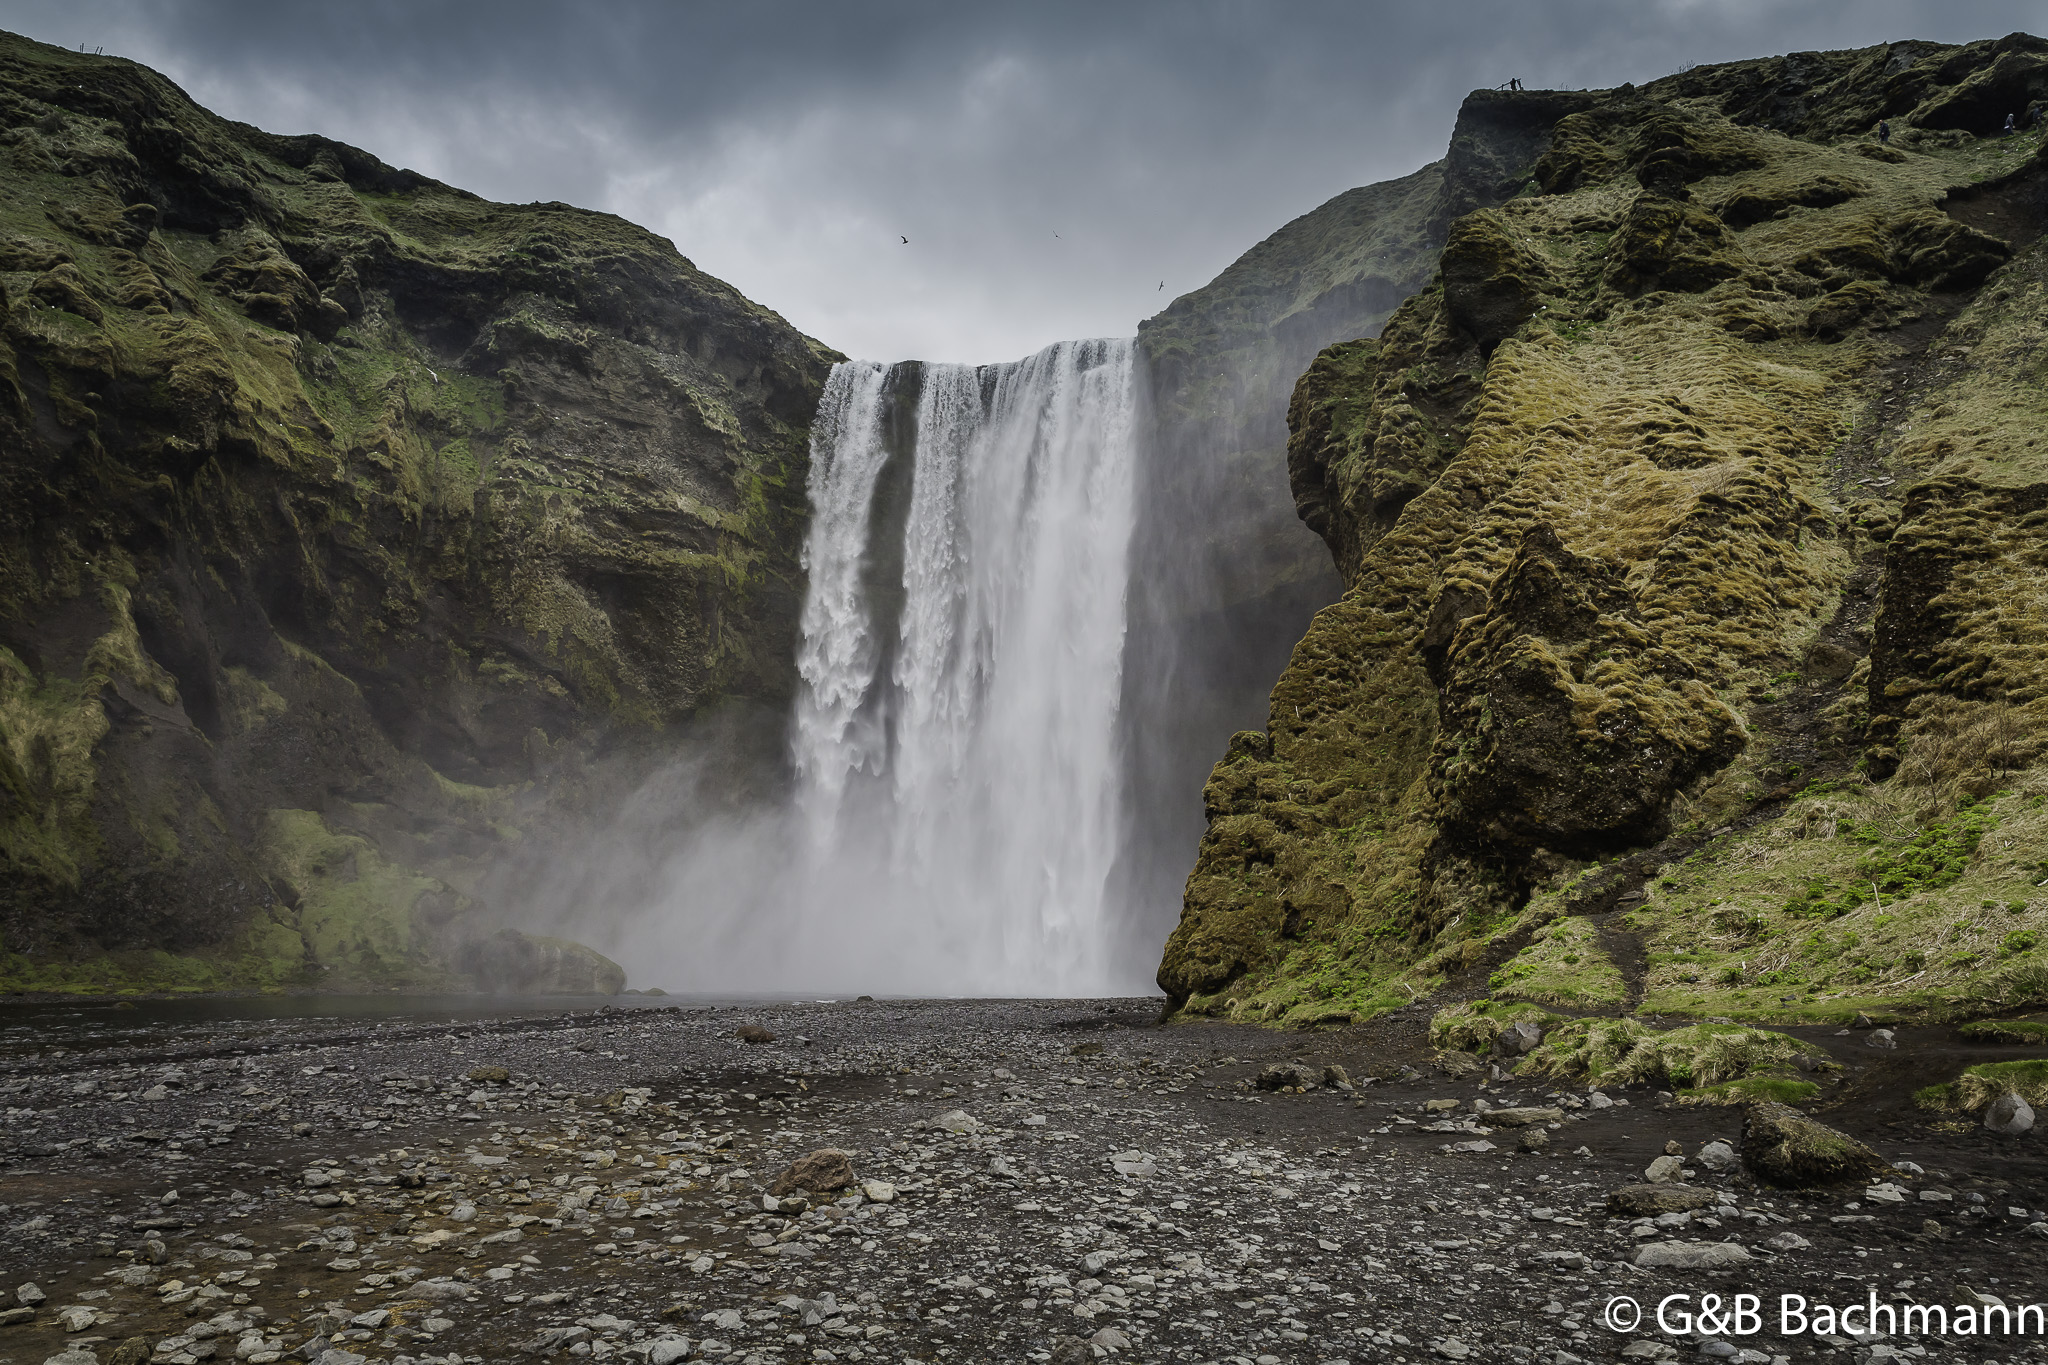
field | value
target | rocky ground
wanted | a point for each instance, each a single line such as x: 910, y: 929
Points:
x: 1032, y: 1180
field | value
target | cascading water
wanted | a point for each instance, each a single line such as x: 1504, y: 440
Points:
x: 956, y: 734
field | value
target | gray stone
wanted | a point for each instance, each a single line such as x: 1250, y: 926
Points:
x: 1883, y: 1039
x: 1787, y: 1241
x: 1665, y: 1170
x: 1517, y: 1038
x: 1535, y: 1138
x: 1522, y: 1118
x: 2009, y: 1115
x: 1071, y: 1351
x: 668, y: 1350
x: 29, y: 1295
x: 1691, y: 1255
x: 1647, y: 1201
x: 1719, y: 1156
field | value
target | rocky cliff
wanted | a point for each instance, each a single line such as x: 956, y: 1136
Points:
x: 1693, y: 655
x: 1228, y: 576
x: 347, y: 522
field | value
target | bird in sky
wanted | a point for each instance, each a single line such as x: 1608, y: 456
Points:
x: 1162, y: 285
x: 906, y: 240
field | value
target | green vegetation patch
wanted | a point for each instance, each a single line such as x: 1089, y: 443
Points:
x: 2006, y: 1031
x: 1980, y: 1085
x: 1564, y: 965
x: 1472, y: 1026
x: 1696, y: 1057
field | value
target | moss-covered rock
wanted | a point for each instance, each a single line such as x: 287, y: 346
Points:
x: 347, y: 522
x: 1782, y: 1146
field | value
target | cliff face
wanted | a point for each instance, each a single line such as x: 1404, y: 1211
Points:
x: 1228, y: 575
x: 1691, y: 523
x: 345, y: 518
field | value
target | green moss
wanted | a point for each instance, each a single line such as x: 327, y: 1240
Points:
x: 1695, y: 1057
x: 1753, y: 1090
x: 2006, y: 1031
x: 1979, y: 1085
x: 1472, y: 1026
x: 1564, y: 965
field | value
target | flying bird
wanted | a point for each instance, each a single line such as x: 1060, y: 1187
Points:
x: 1162, y: 285
x: 906, y: 240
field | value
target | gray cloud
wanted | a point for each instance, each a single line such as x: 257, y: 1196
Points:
x: 786, y: 146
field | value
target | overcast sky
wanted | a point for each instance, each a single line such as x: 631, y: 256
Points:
x: 1051, y: 163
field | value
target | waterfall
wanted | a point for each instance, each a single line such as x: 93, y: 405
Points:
x: 955, y: 735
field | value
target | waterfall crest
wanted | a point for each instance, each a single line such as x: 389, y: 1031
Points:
x: 955, y: 739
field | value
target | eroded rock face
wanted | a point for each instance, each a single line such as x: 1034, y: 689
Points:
x: 346, y: 518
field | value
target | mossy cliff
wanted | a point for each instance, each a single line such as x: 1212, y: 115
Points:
x: 1228, y: 575
x: 1691, y: 521
x: 346, y: 521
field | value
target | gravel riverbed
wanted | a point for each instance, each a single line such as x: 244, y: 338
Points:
x: 1024, y: 1181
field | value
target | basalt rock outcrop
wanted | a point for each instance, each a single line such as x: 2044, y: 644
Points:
x: 346, y: 522
x: 1690, y: 517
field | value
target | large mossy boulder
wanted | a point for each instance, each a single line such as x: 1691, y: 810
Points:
x: 514, y: 963
x: 1782, y: 1146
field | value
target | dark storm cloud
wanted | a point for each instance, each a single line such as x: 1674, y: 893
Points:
x: 786, y: 147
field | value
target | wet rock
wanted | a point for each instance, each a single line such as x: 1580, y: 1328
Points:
x: 819, y: 1172
x: 2009, y: 1115
x: 1647, y: 1201
x: 1785, y: 1147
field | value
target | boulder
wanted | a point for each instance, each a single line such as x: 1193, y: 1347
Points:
x: 753, y: 1033
x: 1883, y: 1039
x: 1517, y: 1038
x: 1785, y: 1147
x: 1691, y: 1255
x: 1457, y: 1065
x: 827, y: 1169
x: 2009, y: 1115
x: 1719, y: 1156
x: 1647, y: 1201
x: 1665, y: 1170
x: 1522, y: 1118
x: 1336, y: 1077
x: 1285, y: 1076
